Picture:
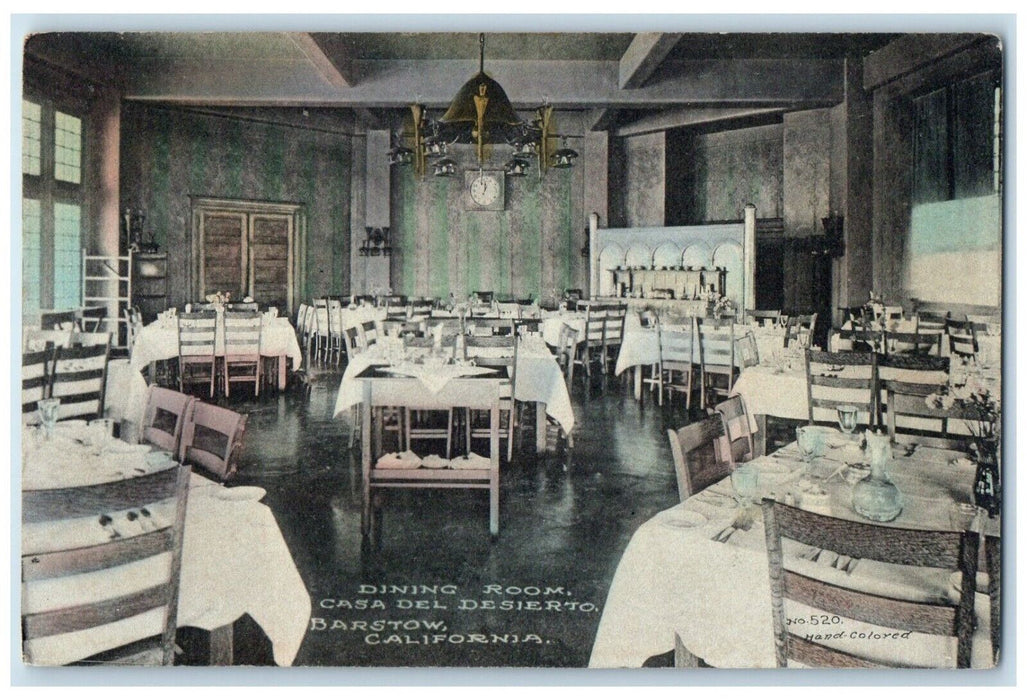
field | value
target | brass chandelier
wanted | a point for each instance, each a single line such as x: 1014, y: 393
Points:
x: 481, y: 114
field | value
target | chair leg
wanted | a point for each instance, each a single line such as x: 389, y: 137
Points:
x: 449, y: 434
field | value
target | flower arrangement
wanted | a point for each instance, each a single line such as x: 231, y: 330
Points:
x: 219, y: 298
x: 722, y: 306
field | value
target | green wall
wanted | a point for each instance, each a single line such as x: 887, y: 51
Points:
x: 529, y: 248
x: 169, y: 154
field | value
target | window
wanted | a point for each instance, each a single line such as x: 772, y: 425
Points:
x: 51, y: 164
x: 957, y: 141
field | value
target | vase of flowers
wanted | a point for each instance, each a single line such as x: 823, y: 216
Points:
x: 722, y: 306
x: 985, y: 424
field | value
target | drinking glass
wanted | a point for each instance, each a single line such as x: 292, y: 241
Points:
x: 847, y: 419
x: 745, y: 479
x: 811, y: 445
x: 48, y: 409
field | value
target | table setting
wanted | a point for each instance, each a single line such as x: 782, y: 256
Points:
x: 673, y: 577
x: 234, y: 558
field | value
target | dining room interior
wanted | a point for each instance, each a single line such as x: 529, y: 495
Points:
x: 512, y: 349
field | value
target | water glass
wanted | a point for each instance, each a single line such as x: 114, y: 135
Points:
x: 746, y: 479
x: 48, y: 409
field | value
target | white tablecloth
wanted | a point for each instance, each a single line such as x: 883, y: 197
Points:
x: 159, y: 341
x: 553, y: 321
x: 539, y: 378
x: 716, y: 596
x: 125, y: 399
x: 234, y: 558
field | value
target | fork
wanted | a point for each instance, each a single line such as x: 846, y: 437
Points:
x: 743, y: 521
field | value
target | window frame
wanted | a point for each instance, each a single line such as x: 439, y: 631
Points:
x: 50, y: 191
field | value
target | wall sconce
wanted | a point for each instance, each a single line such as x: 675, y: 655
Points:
x: 376, y: 243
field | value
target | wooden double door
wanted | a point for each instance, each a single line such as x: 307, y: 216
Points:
x: 249, y: 249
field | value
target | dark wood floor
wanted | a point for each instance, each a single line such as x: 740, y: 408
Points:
x: 565, y: 520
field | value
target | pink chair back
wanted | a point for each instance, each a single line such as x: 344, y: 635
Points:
x: 212, y: 438
x: 164, y: 418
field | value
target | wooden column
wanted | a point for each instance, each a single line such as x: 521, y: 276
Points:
x: 749, y: 258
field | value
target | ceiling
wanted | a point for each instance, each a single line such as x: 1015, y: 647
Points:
x: 625, y: 82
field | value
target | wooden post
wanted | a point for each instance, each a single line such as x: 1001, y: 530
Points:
x: 749, y: 258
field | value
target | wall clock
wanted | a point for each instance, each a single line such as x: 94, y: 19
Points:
x: 485, y: 190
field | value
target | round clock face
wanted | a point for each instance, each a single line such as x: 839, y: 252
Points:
x: 484, y: 190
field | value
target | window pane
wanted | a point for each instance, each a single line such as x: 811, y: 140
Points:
x: 31, y: 133
x: 31, y: 223
x: 67, y: 256
x: 68, y: 151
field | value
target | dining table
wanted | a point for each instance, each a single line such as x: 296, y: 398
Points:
x: 679, y: 578
x: 158, y: 341
x: 235, y: 560
x: 778, y: 388
x: 539, y: 380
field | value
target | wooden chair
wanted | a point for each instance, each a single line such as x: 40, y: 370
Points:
x: 915, y: 343
x: 931, y: 320
x: 321, y: 330
x: 527, y: 325
x: 500, y: 352
x: 164, y: 418
x: 613, y: 335
x: 335, y: 344
x: 212, y: 438
x: 590, y: 350
x: 738, y: 445
x: 35, y: 380
x: 80, y: 381
x: 763, y: 317
x: 88, y: 339
x: 962, y: 339
x: 698, y: 462
x: 197, y: 337
x: 863, y: 339
x: 480, y: 297
x: 566, y: 348
x: 675, y: 367
x: 907, y: 400
x: 855, y: 316
x: 717, y: 370
x: 747, y: 352
x: 36, y: 340
x: 836, y: 379
x: 800, y: 330
x: 955, y: 551
x: 352, y: 341
x: 133, y: 325
x: 368, y: 333
x: 126, y: 585
x: 91, y: 318
x: 993, y: 562
x: 931, y: 372
x: 242, y: 349
x: 59, y: 320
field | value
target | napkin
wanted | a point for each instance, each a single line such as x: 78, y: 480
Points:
x: 398, y: 460
x: 434, y: 462
x: 471, y: 461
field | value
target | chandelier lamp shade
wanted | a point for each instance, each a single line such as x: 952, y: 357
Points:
x: 481, y: 115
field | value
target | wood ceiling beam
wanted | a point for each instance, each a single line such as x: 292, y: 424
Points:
x: 567, y: 84
x: 674, y: 118
x: 643, y: 56
x: 600, y: 119
x: 329, y: 69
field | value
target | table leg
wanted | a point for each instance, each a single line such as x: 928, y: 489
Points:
x: 221, y: 646
x: 282, y: 359
x: 759, y: 440
x: 540, y: 427
x: 637, y: 372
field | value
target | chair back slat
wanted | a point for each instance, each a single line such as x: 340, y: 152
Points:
x: 135, y: 575
x: 80, y: 381
x: 697, y: 462
x: 955, y: 551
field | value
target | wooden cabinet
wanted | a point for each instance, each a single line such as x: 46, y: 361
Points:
x: 150, y: 283
x: 248, y: 249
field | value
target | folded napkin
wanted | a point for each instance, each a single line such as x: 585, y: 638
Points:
x: 434, y: 462
x: 398, y: 460
x: 471, y: 461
